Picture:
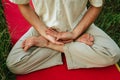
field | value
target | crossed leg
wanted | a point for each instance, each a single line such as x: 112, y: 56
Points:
x: 79, y: 55
x: 103, y: 52
x: 42, y: 42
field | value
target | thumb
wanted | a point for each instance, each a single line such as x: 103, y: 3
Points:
x: 57, y: 38
x: 57, y: 42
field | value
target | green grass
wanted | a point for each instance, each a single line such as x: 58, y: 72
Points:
x: 5, y: 47
x: 109, y: 21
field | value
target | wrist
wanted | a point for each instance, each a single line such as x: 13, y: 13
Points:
x: 43, y: 32
x: 42, y: 28
x: 74, y: 36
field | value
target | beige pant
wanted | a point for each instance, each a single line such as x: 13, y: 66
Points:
x: 103, y: 53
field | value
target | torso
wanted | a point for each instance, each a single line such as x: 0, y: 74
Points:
x: 62, y: 15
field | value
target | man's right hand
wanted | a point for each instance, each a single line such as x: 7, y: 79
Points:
x: 53, y: 39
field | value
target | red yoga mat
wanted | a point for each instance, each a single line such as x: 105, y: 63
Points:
x: 17, y: 26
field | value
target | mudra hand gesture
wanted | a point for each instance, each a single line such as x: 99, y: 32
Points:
x: 67, y: 37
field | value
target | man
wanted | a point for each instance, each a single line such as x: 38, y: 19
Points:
x: 61, y: 26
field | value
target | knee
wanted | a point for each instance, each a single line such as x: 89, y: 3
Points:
x: 112, y: 59
x: 108, y: 61
x: 15, y: 69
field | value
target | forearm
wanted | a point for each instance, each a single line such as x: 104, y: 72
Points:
x: 86, y: 21
x: 32, y: 18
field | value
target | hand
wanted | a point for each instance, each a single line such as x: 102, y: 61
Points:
x: 62, y: 36
x: 53, y: 40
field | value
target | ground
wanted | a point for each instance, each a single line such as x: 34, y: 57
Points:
x: 109, y: 21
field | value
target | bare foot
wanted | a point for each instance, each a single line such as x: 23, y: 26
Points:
x: 34, y: 41
x: 41, y: 42
x: 87, y: 39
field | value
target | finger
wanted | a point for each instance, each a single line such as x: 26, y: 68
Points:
x: 48, y: 31
x: 58, y: 38
x: 57, y: 42
x: 68, y: 41
x: 51, y: 33
x: 52, y: 29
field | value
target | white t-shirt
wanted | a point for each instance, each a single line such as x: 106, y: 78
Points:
x: 63, y: 15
